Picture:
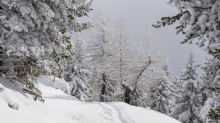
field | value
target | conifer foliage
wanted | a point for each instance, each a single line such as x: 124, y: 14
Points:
x: 200, y: 19
x: 32, y: 35
x: 76, y: 73
x: 189, y: 104
x: 170, y: 87
x: 174, y: 94
x: 197, y: 19
x: 159, y: 96
x: 211, y: 97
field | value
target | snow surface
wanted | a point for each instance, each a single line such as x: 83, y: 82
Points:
x: 60, y: 107
x: 57, y: 83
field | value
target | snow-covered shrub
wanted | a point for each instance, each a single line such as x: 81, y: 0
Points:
x: 33, y: 88
x: 13, y: 105
x: 1, y: 88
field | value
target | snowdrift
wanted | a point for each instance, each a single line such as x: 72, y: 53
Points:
x: 60, y: 107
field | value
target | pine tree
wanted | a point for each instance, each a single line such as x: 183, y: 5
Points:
x: 76, y: 73
x: 175, y: 95
x: 32, y: 35
x: 189, y: 105
x: 211, y: 97
x: 167, y: 70
x: 197, y: 19
x: 159, y: 96
x: 169, y: 87
x: 159, y: 93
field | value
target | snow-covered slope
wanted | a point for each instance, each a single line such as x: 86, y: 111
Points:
x: 29, y: 111
x: 60, y: 107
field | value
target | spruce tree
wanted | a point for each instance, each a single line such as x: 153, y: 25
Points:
x: 76, y: 73
x: 211, y: 97
x: 174, y: 95
x: 167, y: 70
x: 197, y: 19
x: 160, y: 97
x: 169, y: 86
x: 189, y: 104
x: 32, y: 35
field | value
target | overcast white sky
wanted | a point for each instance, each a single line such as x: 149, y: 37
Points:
x: 139, y: 14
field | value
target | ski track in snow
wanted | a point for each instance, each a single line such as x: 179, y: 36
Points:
x: 114, y: 113
x: 75, y: 118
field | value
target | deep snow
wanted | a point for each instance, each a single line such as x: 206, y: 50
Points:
x: 60, y: 107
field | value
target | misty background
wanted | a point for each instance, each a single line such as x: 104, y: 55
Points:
x: 138, y: 14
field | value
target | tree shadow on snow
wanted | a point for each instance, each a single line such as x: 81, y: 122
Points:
x: 12, y: 86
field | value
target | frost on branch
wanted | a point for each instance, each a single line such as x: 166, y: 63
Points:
x: 189, y: 105
x: 118, y: 74
x: 76, y: 73
x: 32, y: 35
x: 197, y: 19
x: 211, y: 97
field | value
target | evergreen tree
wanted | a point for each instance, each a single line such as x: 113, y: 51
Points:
x: 77, y: 72
x: 197, y: 19
x: 189, y: 104
x: 169, y: 87
x: 175, y: 95
x: 159, y: 96
x: 32, y: 35
x: 167, y: 70
x: 211, y: 96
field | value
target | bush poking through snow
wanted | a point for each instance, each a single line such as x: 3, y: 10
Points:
x: 1, y: 88
x: 34, y: 89
x: 35, y: 92
x: 13, y: 106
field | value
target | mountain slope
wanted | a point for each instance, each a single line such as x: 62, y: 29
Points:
x: 60, y: 107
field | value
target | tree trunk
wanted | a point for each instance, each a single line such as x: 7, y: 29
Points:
x: 128, y: 90
x: 127, y: 95
x: 103, y: 88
